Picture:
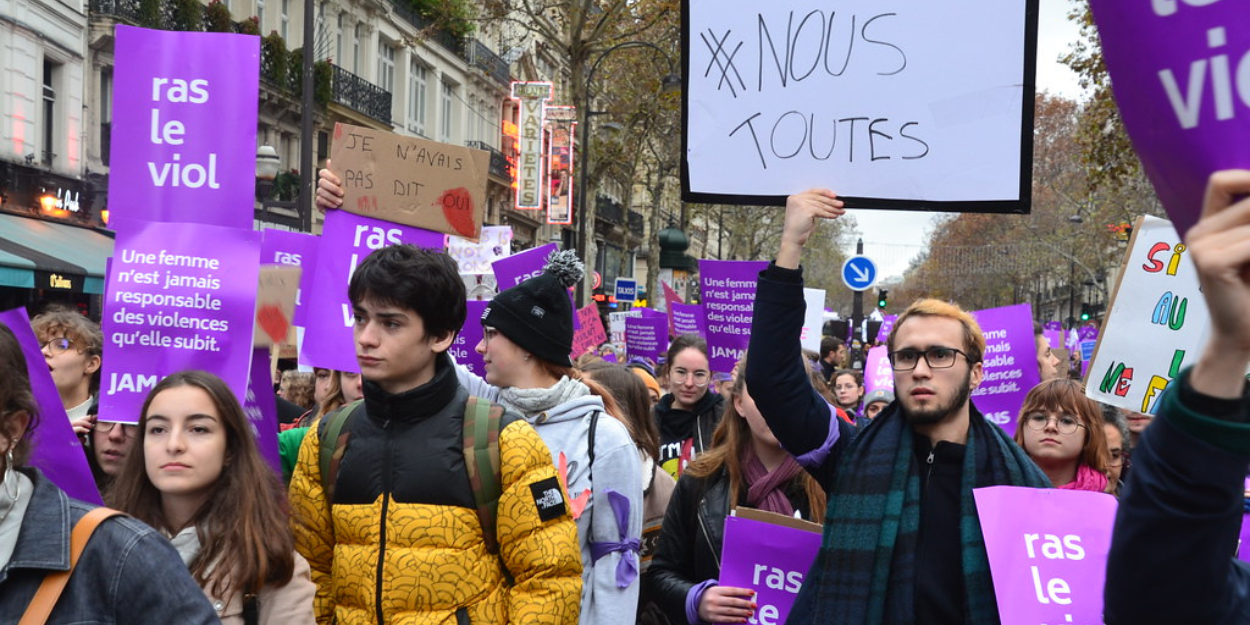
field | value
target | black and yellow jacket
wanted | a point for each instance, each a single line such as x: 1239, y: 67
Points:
x: 402, y: 543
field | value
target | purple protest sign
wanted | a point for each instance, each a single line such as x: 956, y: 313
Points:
x: 261, y: 408
x: 180, y: 297
x: 1179, y: 131
x: 184, y: 127
x: 1243, y: 539
x: 887, y: 324
x: 878, y: 374
x: 768, y: 558
x: 1009, y: 365
x: 645, y: 336
x: 687, y: 319
x: 728, y: 289
x: 292, y: 249
x: 520, y: 267
x: 346, y: 240
x: 55, y: 449
x: 1087, y: 333
x: 464, y: 349
x: 1048, y: 552
x: 1054, y: 338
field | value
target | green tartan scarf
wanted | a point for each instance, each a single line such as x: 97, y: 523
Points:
x: 866, y: 569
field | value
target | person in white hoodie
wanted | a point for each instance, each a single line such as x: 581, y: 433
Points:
x: 527, y: 339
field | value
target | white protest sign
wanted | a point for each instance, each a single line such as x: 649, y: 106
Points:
x: 813, y: 319
x: 475, y: 258
x: 616, y: 323
x: 907, y: 105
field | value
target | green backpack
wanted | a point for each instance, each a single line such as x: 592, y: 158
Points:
x: 481, y: 458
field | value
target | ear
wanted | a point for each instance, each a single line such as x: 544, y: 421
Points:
x: 93, y: 365
x: 443, y: 342
x: 16, y: 425
x: 976, y: 374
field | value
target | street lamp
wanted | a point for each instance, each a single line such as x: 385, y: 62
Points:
x: 267, y: 167
x: 1074, y: 219
x: 668, y: 84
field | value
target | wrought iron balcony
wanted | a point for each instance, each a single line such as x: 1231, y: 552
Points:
x: 482, y: 57
x: 361, y: 95
x: 442, y: 37
x: 610, y: 210
x: 131, y: 11
x: 498, y: 162
x: 637, y: 224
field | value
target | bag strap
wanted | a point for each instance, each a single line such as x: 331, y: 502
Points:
x: 49, y: 592
x: 481, y: 460
x: 327, y: 454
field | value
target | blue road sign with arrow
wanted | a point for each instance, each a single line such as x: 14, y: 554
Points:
x: 859, y: 273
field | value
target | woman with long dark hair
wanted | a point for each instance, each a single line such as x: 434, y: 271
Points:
x: 688, y: 414
x: 196, y: 475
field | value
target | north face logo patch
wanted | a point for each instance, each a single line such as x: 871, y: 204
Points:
x: 548, y: 499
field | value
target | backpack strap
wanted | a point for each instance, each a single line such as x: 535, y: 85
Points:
x: 329, y: 456
x: 481, y: 459
x: 49, y: 592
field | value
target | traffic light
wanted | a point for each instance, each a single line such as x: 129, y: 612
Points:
x: 883, y: 298
x: 1084, y: 312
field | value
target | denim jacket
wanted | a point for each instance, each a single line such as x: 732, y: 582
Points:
x: 128, y: 573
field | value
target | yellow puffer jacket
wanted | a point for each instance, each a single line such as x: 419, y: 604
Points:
x: 404, y: 545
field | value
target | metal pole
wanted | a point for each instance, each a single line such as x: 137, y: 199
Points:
x: 582, y: 296
x: 857, y: 316
x: 307, y: 111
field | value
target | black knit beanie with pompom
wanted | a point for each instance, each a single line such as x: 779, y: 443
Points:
x: 537, y: 314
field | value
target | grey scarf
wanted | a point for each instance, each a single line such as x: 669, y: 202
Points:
x: 531, y: 402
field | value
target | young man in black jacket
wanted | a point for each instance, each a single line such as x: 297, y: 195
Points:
x: 903, y: 485
x: 1182, y: 510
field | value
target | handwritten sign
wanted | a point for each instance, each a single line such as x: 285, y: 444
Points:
x: 475, y: 257
x: 1157, y: 322
x: 1009, y: 365
x: 410, y: 181
x: 589, y: 332
x: 1048, y: 552
x: 1182, y: 96
x: 291, y: 249
x: 768, y: 553
x: 616, y: 325
x: 275, y: 305
x: 912, y: 105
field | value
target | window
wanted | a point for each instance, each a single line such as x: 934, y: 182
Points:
x: 444, y: 113
x: 356, y: 50
x: 260, y: 16
x: 284, y: 19
x: 338, y: 42
x: 417, y: 94
x: 50, y: 70
x: 472, y: 125
x: 106, y: 113
x: 386, y: 66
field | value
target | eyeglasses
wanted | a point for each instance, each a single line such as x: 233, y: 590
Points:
x: 1065, y: 424
x: 679, y: 376
x: 1118, y: 459
x: 57, y: 345
x: 107, y: 426
x: 488, y: 333
x: 846, y: 387
x: 935, y: 357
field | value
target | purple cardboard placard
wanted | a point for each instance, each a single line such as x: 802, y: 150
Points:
x: 464, y: 349
x: 877, y: 371
x: 1087, y: 333
x: 728, y: 289
x: 645, y: 336
x: 522, y: 266
x: 770, y: 559
x: 180, y: 297
x: 687, y: 319
x: 261, y: 407
x: 184, y: 127
x: 887, y: 324
x: 1182, y: 96
x: 293, y: 249
x: 346, y: 241
x: 1009, y: 365
x: 1048, y: 552
x: 55, y: 449
x: 1243, y: 544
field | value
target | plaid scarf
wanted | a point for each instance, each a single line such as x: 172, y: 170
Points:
x: 866, y: 569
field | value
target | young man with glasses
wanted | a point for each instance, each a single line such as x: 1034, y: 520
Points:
x: 902, y: 486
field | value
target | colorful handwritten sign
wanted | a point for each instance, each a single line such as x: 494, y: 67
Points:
x: 728, y: 288
x: 770, y: 554
x: 1182, y: 96
x: 941, y: 115
x: 590, y: 332
x: 1157, y: 322
x: 476, y: 257
x: 1048, y: 552
x: 1009, y: 365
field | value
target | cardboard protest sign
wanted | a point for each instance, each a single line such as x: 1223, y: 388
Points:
x: 346, y: 241
x: 411, y: 181
x: 917, y: 105
x: 590, y: 332
x: 728, y: 289
x: 877, y: 371
x: 770, y: 554
x: 476, y: 257
x: 646, y: 336
x: 184, y: 127
x: 1048, y: 552
x: 522, y: 266
x: 1183, y: 95
x: 179, y: 298
x: 55, y: 449
x: 261, y: 407
x: 687, y: 319
x: 1156, y: 324
x: 464, y: 349
x: 275, y: 305
x: 1009, y: 365
x: 616, y: 325
x: 813, y: 319
x: 291, y: 249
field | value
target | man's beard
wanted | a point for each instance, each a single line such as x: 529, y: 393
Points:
x: 937, y: 414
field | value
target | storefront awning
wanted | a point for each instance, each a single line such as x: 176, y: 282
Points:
x: 37, y: 254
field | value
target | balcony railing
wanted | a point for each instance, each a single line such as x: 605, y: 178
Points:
x: 480, y: 56
x: 361, y: 95
x: 636, y: 224
x: 498, y: 162
x: 131, y: 11
x: 610, y: 210
x: 442, y: 37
